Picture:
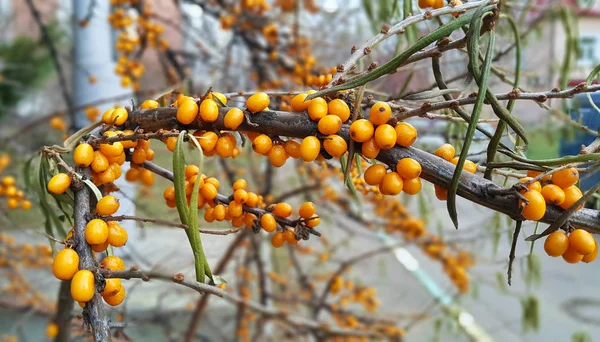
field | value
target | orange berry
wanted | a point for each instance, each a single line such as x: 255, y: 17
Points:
x: 533, y: 174
x: 556, y: 244
x: 100, y: 162
x: 310, y: 148
x: 252, y: 200
x: 51, y: 331
x: 469, y: 166
x: 26, y: 205
x: 191, y: 170
x: 277, y: 240
x: 100, y: 248
x: 317, y: 108
x: 216, y: 95
x: 107, y: 205
x: 82, y: 286
x: 313, y: 221
x: 441, y: 193
x: 592, y: 256
x: 147, y: 177
x: 553, y: 194
x: 113, y: 263
x: 565, y: 178
x: 572, y: 195
x: 298, y: 104
x: 262, y: 144
x: 112, y: 287
x: 219, y: 212
x: 380, y: 113
x: 83, y: 155
x: 209, y: 215
x: 171, y: 143
x: 536, y: 208
x: 406, y: 134
x: 234, y: 118
x: 335, y: 145
x: 138, y: 156
x: 408, y: 168
x: 107, y: 116
x: 225, y: 146
x: 361, y: 130
x: 187, y: 111
x: 111, y: 150
x: 290, y: 237
x: 117, y: 235
x: 391, y: 184
x: 119, y: 116
x: 208, y: 191
x: 292, y: 148
x: 258, y: 102
x: 65, y: 264
x: 571, y: 256
x: 282, y: 209
x: 149, y: 104
x: 338, y: 108
x: 235, y: 209
x: 209, y: 110
x: 208, y: 141
x: 307, y: 209
x: 268, y: 223
x: 277, y: 155
x: 370, y: 149
x: 582, y: 241
x: 445, y: 152
x: 239, y: 184
x: 385, y: 136
x: 374, y: 174
x: 116, y: 299
x: 96, y: 232
x: 329, y: 124
x: 59, y: 183
x: 12, y: 203
x: 535, y: 186
x: 412, y: 186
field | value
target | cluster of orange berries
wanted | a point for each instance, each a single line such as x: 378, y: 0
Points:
x: 447, y: 152
x: 8, y: 188
x: 578, y: 246
x: 58, y: 123
x: 255, y: 6
x: 435, y: 4
x: 306, y: 72
x: 291, y: 5
x: 559, y: 189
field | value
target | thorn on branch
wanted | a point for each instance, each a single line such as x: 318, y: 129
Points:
x: 367, y: 50
x: 178, y: 278
x: 385, y: 28
x: 353, y: 50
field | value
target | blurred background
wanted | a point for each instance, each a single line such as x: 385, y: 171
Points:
x: 64, y: 62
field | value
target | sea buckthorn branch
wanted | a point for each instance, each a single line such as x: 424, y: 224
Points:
x: 166, y: 223
x: 268, y: 312
x: 438, y: 171
x: 399, y: 28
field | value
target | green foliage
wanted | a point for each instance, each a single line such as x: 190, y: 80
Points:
x: 530, y: 308
x: 24, y: 64
x: 581, y: 336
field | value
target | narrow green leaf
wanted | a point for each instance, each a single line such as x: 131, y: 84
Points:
x: 94, y: 188
x: 179, y: 179
x: 425, y: 95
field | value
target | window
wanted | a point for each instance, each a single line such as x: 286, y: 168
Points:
x: 587, y: 49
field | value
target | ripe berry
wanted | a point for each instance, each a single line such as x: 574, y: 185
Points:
x: 565, y: 178
x: 83, y: 155
x: 252, y: 200
x: 112, y: 287
x: 385, y: 136
x: 107, y: 205
x: 536, y: 186
x: 335, y: 145
x: 258, y: 102
x: 307, y: 209
x: 406, y: 134
x: 218, y: 96
x: 59, y: 183
x: 117, y: 235
x: 468, y: 166
x: 208, y: 191
x: 380, y: 113
x: 290, y: 237
x: 361, y: 130
x: 370, y: 149
x: 116, y: 299
x: 310, y: 148
x: 572, y: 195
x: 138, y: 156
x: 533, y: 174
x: 82, y: 286
x: 408, y: 168
x: 536, y: 208
x: 282, y: 209
x: 592, y: 256
x: 317, y: 108
x: 209, y: 110
x: 412, y: 186
x: 441, y: 193
x: 298, y: 103
x: 219, y: 212
x: 445, y: 152
x: 111, y: 150
x: 293, y: 149
x: 52, y: 331
x: 96, y: 232
x: 225, y: 146
x: 113, y: 263
x: 329, y: 124
x: 65, y: 264
x: 553, y: 194
x: 262, y: 144
x: 338, y: 108
x: 239, y: 184
x: 107, y: 116
x: 374, y: 174
x: 277, y: 155
x: 100, y: 248
x: 119, y: 116
x: 582, y: 241
x: 191, y: 171
x: 556, y: 244
x: 277, y: 240
x: 268, y: 223
x: 149, y: 104
x: 234, y: 118
x: 571, y: 256
x: 187, y: 111
x: 313, y: 221
x: 208, y: 141
x: 391, y: 184
x: 426, y: 3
